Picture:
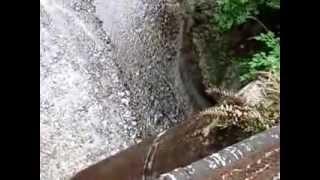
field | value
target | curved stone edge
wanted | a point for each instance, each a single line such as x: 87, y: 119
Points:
x: 227, y: 156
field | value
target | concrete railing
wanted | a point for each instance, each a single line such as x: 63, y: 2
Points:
x: 256, y: 156
x: 177, y: 147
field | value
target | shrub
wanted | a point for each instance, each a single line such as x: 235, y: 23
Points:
x: 266, y: 60
x: 234, y: 12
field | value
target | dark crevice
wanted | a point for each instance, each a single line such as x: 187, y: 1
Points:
x: 190, y: 71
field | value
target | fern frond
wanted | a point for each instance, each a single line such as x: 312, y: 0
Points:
x: 230, y: 114
x: 221, y: 95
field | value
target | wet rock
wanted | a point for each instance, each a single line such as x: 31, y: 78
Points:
x: 106, y: 78
x: 152, y: 33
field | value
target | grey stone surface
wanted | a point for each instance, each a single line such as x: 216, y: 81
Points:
x: 147, y: 61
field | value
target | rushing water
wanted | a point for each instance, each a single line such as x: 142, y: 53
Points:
x: 109, y: 72
x: 84, y: 113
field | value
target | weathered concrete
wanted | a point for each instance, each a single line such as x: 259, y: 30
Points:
x: 237, y: 156
x: 258, y: 166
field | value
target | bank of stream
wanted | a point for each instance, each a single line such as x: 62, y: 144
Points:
x: 195, y: 135
x: 114, y: 73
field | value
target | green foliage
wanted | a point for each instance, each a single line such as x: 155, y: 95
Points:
x: 268, y: 60
x: 273, y: 3
x: 234, y: 12
x: 230, y: 12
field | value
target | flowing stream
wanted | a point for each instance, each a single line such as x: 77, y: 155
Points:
x: 109, y: 75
